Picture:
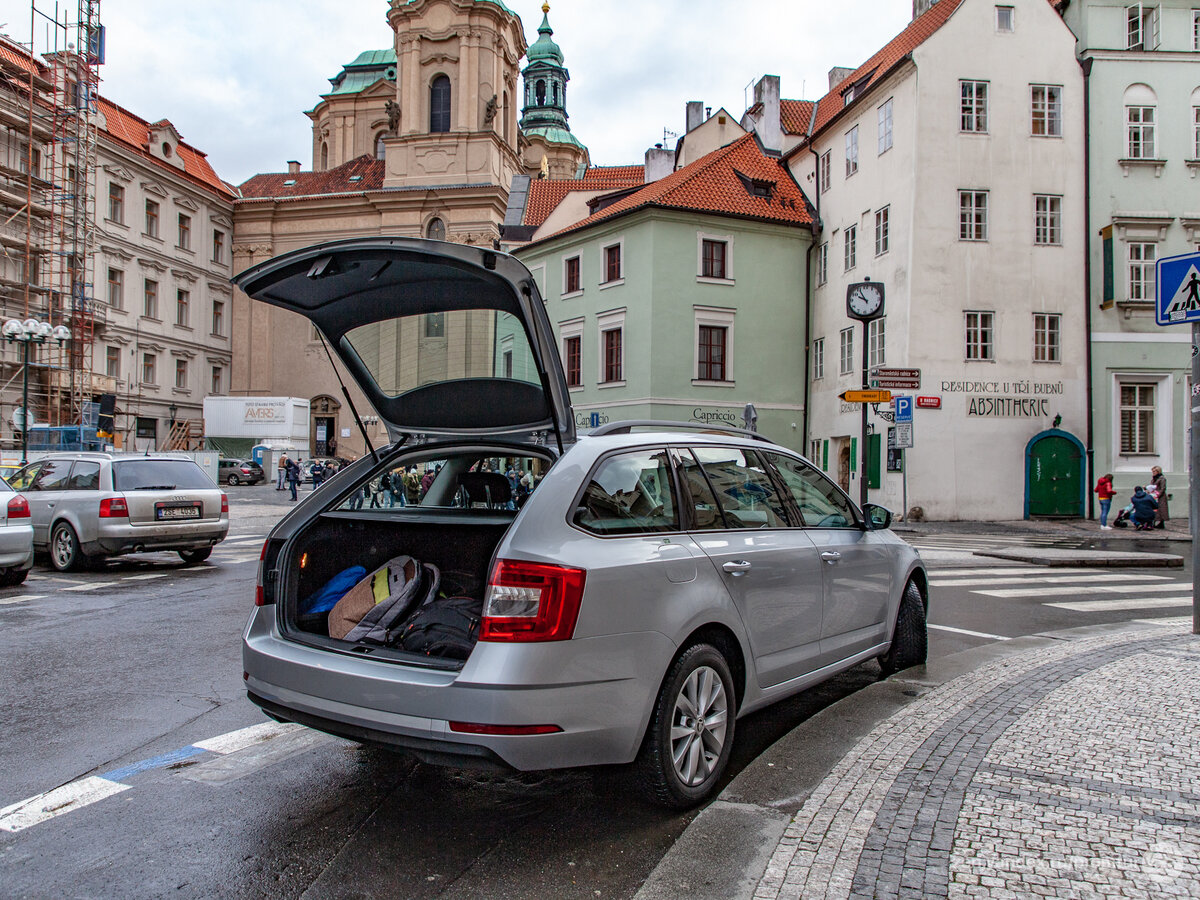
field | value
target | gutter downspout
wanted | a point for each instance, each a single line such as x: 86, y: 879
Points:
x: 1086, y: 65
x: 817, y: 228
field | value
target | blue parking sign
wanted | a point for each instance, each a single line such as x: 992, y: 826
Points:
x: 1178, y: 282
x: 903, y: 406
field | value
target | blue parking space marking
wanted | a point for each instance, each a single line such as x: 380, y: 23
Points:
x: 155, y: 762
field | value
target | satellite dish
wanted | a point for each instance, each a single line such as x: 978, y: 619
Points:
x: 18, y: 419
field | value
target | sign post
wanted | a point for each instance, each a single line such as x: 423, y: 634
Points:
x: 1178, y: 301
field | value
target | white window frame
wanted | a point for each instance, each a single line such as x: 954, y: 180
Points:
x: 1141, y: 27
x: 1196, y: 31
x: 714, y: 317
x: 1164, y: 401
x: 1196, y: 132
x: 1140, y: 260
x: 149, y: 366
x: 973, y: 106
x: 846, y: 351
x: 1047, y: 220
x: 885, y: 126
x: 852, y: 151
x: 850, y: 247
x: 877, y: 342
x: 883, y: 237
x: 604, y: 247
x: 727, y: 240
x: 823, y: 263
x: 1141, y: 122
x: 824, y: 171
x: 1050, y: 109
x: 973, y: 216
x: 572, y: 328
x: 818, y: 358
x: 1047, y: 337
x: 1012, y: 19
x: 612, y: 320
x: 182, y: 368
x: 983, y: 348
x: 564, y: 294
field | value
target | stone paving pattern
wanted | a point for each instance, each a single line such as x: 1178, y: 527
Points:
x: 1067, y: 771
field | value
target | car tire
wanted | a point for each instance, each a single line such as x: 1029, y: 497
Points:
x: 192, y: 557
x: 684, y: 755
x: 12, y: 577
x: 910, y: 640
x: 232, y: 480
x: 65, y: 553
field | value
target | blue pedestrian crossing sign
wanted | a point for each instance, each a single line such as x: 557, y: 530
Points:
x: 1178, y: 279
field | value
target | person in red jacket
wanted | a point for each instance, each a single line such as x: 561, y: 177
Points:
x: 1104, y: 490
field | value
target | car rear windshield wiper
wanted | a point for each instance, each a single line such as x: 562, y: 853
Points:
x: 155, y: 487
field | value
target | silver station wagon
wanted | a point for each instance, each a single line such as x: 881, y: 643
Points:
x: 88, y: 506
x: 619, y: 597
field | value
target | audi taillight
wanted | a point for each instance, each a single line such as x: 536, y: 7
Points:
x: 114, y: 508
x: 531, y: 602
x: 18, y: 508
x: 224, y: 502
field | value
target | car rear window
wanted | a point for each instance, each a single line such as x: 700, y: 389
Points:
x: 159, y: 474
x: 629, y: 494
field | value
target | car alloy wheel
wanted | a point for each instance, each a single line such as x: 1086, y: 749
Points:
x: 698, y: 726
x: 232, y: 479
x: 64, y: 548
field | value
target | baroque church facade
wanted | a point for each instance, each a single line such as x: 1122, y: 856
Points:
x: 419, y: 140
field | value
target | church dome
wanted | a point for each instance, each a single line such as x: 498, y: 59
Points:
x: 544, y: 49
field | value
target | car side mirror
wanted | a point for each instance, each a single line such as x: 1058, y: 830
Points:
x: 878, y: 517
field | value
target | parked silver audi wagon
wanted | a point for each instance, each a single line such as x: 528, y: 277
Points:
x: 530, y: 598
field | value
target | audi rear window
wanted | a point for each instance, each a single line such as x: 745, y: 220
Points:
x: 159, y: 475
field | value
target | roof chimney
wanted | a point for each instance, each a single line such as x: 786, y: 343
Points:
x: 838, y: 74
x: 770, y: 126
x: 659, y: 163
x: 695, y: 115
x: 921, y: 6
x: 293, y: 167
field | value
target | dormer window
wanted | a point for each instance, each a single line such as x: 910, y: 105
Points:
x: 848, y: 97
x: 756, y: 187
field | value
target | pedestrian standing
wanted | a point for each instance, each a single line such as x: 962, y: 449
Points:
x: 283, y: 461
x: 1160, y: 486
x: 412, y: 486
x: 1104, y: 490
x: 293, y: 476
x: 318, y: 473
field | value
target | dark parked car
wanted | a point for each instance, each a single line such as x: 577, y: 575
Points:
x: 240, y: 471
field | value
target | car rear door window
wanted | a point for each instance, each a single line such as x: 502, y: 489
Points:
x: 820, y: 501
x: 631, y: 493
x: 54, y: 475
x: 85, y: 476
x: 23, y: 478
x: 743, y: 491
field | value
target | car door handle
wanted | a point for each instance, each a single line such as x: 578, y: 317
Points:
x: 831, y: 556
x: 736, y: 567
x: 50, y: 506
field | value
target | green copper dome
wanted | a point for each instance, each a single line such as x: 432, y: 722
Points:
x: 544, y: 49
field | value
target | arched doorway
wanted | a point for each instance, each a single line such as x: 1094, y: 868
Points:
x: 323, y: 417
x: 843, y: 469
x: 1055, y: 475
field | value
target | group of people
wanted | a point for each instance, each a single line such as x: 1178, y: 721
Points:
x: 399, y: 487
x: 1147, y: 507
x: 289, y: 474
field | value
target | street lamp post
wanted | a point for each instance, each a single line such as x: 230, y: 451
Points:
x: 31, y: 331
x: 171, y: 411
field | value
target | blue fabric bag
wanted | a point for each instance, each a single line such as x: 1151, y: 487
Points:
x: 332, y: 591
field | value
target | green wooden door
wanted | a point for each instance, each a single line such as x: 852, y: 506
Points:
x: 1055, y: 478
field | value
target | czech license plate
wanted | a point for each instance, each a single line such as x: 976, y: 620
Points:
x: 178, y: 512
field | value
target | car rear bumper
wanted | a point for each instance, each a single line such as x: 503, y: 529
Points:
x: 114, y: 539
x: 599, y: 691
x: 16, y: 546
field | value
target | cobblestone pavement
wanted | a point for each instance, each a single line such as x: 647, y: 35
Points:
x: 1067, y: 771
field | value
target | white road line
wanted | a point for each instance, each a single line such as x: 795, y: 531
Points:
x: 978, y: 634
x: 246, y: 737
x: 1035, y: 591
x: 146, y: 577
x: 91, y: 587
x: 243, y: 537
x: 1010, y: 571
x: 25, y: 599
x: 65, y: 799
x: 1082, y: 581
x: 1119, y: 605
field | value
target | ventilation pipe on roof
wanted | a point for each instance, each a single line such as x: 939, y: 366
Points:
x: 770, y: 125
x: 695, y: 114
x: 293, y: 167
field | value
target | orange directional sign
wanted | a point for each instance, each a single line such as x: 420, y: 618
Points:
x: 867, y: 396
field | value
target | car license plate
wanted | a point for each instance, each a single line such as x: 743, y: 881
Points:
x: 178, y: 512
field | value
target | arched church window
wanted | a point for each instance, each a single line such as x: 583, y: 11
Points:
x: 324, y: 155
x: 439, y: 105
x: 380, y: 149
x: 436, y: 229
x: 555, y: 88
x: 541, y: 92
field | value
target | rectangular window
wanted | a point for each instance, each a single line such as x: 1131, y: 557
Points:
x: 824, y: 171
x: 148, y: 368
x: 573, y: 353
x: 1141, y: 271
x: 1196, y: 132
x: 116, y: 203
x: 150, y: 304
x: 612, y: 355
x: 1046, y: 110
x: 147, y: 428
x: 218, y: 255
x: 980, y: 335
x: 881, y: 230
x: 506, y: 363
x: 876, y: 332
x: 183, y: 301
x: 1139, y: 127
x: 218, y: 317
x: 1047, y: 329
x: 1141, y: 27
x: 1137, y: 418
x: 712, y: 353
x: 1047, y: 220
x: 181, y: 373
x: 846, y: 357
x: 713, y: 259
x: 571, y: 278
x: 974, y: 106
x: 185, y: 232
x: 818, y: 357
x: 1006, y: 22
x: 612, y: 263
x: 972, y: 215
x: 822, y: 264
x: 116, y: 288
x: 885, y: 126
x: 112, y: 362
x: 850, y: 250
x: 151, y: 219
x: 851, y: 151
x: 1196, y: 29
x: 217, y: 385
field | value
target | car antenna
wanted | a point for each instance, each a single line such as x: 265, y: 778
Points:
x: 345, y: 393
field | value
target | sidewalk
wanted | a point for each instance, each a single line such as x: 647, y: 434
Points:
x: 1061, y: 765
x: 1067, y: 529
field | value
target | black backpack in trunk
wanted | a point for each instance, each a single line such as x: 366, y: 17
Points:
x: 446, y: 627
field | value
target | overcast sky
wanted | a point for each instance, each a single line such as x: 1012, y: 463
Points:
x: 235, y: 76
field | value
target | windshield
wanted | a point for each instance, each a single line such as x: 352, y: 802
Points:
x: 159, y: 475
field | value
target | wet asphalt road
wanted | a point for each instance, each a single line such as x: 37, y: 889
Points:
x: 131, y: 668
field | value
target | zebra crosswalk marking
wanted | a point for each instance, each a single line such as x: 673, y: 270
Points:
x: 1051, y: 579
x: 1118, y: 605
x: 1038, y: 591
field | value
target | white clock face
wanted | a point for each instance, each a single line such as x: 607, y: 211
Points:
x: 865, y: 300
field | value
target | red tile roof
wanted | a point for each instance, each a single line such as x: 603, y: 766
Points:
x: 794, y: 115
x: 546, y: 193
x: 366, y: 170
x: 716, y: 184
x: 134, y: 133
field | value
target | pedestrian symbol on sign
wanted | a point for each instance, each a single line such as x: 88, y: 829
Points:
x: 1178, y: 289
x: 1187, y: 298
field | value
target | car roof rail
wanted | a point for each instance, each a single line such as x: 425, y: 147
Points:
x: 626, y: 426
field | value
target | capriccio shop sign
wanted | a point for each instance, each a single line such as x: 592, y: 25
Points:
x: 705, y: 415
x: 1006, y: 399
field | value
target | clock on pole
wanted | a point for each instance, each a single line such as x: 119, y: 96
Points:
x: 864, y: 300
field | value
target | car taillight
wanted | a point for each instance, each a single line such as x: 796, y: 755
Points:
x: 224, y: 502
x: 114, y: 508
x: 478, y: 728
x: 267, y: 582
x: 531, y: 602
x: 245, y: 471
x: 18, y: 508
x: 260, y: 597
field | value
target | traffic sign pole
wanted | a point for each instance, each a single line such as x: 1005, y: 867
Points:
x: 1194, y: 477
